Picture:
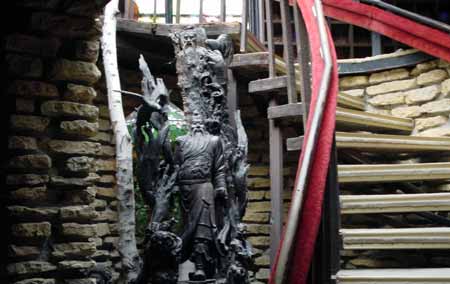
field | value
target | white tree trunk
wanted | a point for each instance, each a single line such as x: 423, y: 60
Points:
x: 131, y: 261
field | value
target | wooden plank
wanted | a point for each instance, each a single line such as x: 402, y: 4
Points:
x: 288, y: 51
x: 252, y: 60
x: 393, y: 172
x: 276, y: 185
x: 368, y: 142
x: 394, y: 203
x: 348, y: 101
x: 282, y: 111
x: 151, y: 29
x: 404, y: 238
x: 361, y: 120
x: 268, y: 85
x: 294, y: 143
x: 394, y: 276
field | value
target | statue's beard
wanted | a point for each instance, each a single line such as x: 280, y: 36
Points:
x: 198, y: 130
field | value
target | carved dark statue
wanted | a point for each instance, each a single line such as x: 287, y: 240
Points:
x: 206, y: 168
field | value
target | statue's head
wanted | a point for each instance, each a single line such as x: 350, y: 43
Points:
x: 198, y: 124
x: 188, y: 38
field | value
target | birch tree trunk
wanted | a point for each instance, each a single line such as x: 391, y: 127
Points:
x: 131, y: 261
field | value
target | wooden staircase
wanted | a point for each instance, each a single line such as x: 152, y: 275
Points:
x: 361, y: 132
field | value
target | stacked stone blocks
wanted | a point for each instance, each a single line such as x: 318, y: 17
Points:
x: 61, y: 151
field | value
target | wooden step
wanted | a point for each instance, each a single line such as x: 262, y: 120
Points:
x: 294, y: 143
x: 409, y: 238
x: 372, y: 142
x: 255, y: 60
x: 283, y: 111
x: 393, y: 172
x: 268, y: 85
x: 344, y: 100
x: 392, y: 203
x: 394, y: 276
x: 360, y: 120
x: 390, y: 143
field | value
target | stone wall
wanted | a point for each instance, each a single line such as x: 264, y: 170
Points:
x: 60, y: 170
x: 422, y: 93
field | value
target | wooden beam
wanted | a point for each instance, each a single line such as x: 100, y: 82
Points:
x: 382, y: 173
x: 268, y: 85
x: 368, y: 142
x: 361, y: 120
x: 394, y: 276
x: 254, y: 60
x: 276, y: 185
x: 151, y: 29
x: 404, y: 238
x: 283, y: 111
x: 392, y: 203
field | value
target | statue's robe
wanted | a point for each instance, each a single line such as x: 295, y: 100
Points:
x: 201, y: 174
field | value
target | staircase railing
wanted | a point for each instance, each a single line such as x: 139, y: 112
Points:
x: 309, y: 147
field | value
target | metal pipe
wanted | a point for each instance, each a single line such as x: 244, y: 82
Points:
x: 300, y: 187
x: 413, y: 16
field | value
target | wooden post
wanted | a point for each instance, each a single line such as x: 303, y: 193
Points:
x: 276, y: 185
x: 223, y: 11
x: 270, y: 46
x: 178, y: 11
x: 376, y: 43
x: 288, y: 51
x: 128, y: 9
x: 131, y: 261
x: 244, y: 21
x: 261, y: 22
x: 154, y: 11
x: 200, y: 13
x: 169, y: 11
x: 303, y: 58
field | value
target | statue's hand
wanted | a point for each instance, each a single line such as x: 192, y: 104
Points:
x: 222, y: 193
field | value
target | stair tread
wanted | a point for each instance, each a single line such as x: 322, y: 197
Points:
x: 286, y: 110
x: 393, y: 172
x: 352, y: 102
x: 268, y: 84
x: 361, y: 120
x: 390, y: 143
x: 399, y: 275
x: 250, y: 59
x: 390, y: 203
x: 396, y: 238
